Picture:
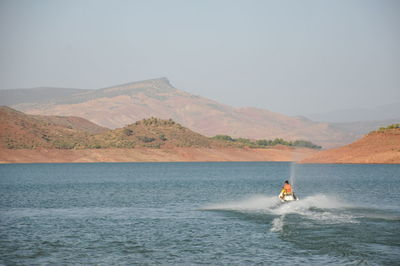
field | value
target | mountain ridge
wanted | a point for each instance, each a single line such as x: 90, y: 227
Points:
x: 11, y: 97
x: 119, y: 105
x: 358, y: 115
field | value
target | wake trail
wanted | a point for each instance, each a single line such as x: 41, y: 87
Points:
x: 273, y: 204
x: 253, y: 203
x: 277, y: 224
x: 319, y: 208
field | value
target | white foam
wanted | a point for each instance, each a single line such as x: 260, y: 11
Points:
x: 318, y: 201
x: 322, y: 208
x: 277, y: 224
x: 254, y: 203
x: 330, y: 209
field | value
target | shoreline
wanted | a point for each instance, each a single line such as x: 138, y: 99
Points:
x: 41, y: 155
x: 181, y: 154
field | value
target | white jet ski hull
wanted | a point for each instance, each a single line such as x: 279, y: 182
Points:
x: 287, y: 198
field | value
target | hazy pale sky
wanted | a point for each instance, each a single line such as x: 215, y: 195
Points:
x: 294, y: 57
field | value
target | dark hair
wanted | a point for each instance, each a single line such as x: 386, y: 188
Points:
x: 287, y: 182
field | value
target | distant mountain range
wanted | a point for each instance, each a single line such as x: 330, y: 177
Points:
x: 117, y: 106
x: 388, y: 112
x: 36, y: 95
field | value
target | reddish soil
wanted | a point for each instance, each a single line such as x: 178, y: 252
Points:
x: 376, y: 147
x: 42, y: 155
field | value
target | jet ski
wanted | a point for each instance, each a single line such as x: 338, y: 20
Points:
x: 287, y: 197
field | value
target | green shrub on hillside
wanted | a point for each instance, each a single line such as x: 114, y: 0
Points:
x: 245, y: 141
x: 224, y: 137
x: 62, y: 144
x: 306, y: 144
x: 146, y: 139
x: 127, y: 132
x: 393, y: 126
x: 153, y: 121
x: 263, y: 143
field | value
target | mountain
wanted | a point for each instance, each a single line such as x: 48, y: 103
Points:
x: 36, y: 95
x: 378, y: 113
x: 380, y: 146
x: 34, y: 138
x: 22, y: 131
x: 117, y: 106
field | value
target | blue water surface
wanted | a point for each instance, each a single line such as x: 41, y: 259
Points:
x: 198, y: 213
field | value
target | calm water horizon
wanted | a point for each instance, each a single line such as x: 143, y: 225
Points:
x: 198, y: 213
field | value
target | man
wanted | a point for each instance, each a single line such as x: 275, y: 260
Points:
x: 286, y: 190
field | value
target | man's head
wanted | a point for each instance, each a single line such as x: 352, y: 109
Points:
x: 286, y: 182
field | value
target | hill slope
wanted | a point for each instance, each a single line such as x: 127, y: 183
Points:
x: 19, y: 130
x: 33, y: 138
x: 382, y: 146
x: 153, y: 133
x: 22, y: 131
x: 117, y: 106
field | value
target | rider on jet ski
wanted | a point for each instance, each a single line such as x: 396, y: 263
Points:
x: 287, y: 190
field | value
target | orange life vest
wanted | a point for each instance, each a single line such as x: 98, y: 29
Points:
x: 287, y: 188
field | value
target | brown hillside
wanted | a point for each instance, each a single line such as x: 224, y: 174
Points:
x: 153, y: 133
x: 381, y: 146
x: 72, y: 122
x: 121, y: 105
x: 32, y: 139
x: 21, y: 131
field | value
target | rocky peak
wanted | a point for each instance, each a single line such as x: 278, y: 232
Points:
x: 159, y: 85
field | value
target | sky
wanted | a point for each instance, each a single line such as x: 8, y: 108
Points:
x: 293, y: 57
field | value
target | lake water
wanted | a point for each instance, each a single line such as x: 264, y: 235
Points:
x: 198, y: 213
